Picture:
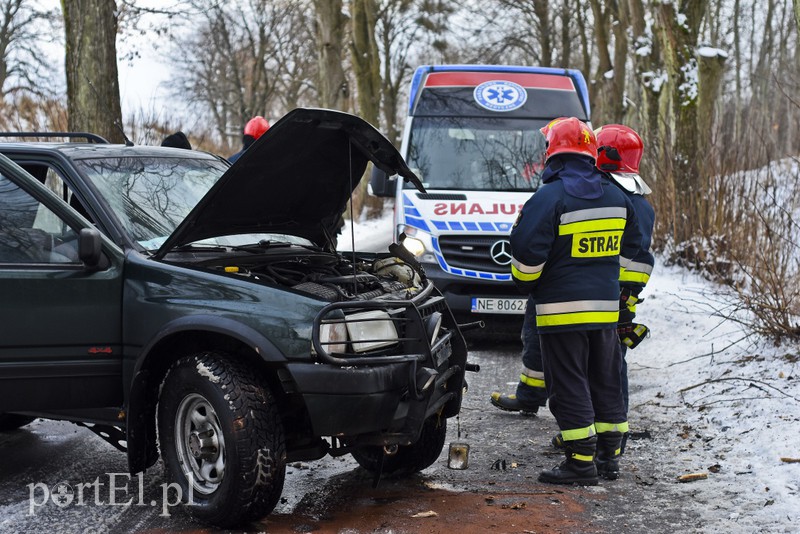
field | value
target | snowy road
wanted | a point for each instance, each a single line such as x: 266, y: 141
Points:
x: 702, y: 401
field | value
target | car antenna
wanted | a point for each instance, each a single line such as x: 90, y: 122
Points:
x: 128, y: 142
x: 352, y: 226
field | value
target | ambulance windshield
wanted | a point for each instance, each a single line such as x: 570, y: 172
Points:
x: 477, y: 154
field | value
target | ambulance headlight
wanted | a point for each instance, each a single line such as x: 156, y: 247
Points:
x: 414, y: 246
x: 419, y: 243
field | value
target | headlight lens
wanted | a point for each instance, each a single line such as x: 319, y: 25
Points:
x: 419, y: 243
x: 414, y: 245
x: 333, y: 336
x: 371, y: 330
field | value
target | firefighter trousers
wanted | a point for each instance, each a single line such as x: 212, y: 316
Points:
x: 582, y: 370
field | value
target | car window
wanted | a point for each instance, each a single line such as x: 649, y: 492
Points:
x: 151, y: 196
x: 30, y: 232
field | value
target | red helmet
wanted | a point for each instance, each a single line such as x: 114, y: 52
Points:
x: 619, y: 149
x: 256, y: 127
x: 568, y: 135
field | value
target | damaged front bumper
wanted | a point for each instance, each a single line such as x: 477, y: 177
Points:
x: 382, y: 396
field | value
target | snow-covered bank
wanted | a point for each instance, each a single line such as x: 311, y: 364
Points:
x: 733, y: 401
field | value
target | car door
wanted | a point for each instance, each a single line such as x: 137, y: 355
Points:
x: 60, y: 323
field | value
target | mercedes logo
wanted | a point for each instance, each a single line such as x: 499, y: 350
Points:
x: 501, y: 252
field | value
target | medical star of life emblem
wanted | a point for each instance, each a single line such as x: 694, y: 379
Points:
x: 500, y: 95
x: 501, y: 252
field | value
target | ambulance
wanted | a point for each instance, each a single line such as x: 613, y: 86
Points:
x: 472, y: 137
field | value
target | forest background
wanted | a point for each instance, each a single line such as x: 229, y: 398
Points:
x: 712, y: 87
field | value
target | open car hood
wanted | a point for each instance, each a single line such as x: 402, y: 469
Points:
x: 295, y: 179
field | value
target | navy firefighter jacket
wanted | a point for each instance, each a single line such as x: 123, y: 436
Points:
x: 569, y: 243
x: 638, y: 272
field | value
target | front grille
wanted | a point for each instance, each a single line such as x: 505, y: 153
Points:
x: 472, y: 252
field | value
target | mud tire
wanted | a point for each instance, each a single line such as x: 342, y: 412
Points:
x: 234, y: 472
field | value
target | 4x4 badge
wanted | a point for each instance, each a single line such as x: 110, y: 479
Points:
x: 501, y: 252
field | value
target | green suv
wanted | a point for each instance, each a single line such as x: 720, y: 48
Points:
x: 181, y: 306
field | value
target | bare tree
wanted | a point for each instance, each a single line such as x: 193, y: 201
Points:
x: 23, y: 67
x: 331, y: 26
x: 93, y: 101
x: 243, y: 59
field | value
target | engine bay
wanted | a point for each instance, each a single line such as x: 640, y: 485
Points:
x: 328, y: 276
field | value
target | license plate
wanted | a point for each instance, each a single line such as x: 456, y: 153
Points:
x: 498, y: 305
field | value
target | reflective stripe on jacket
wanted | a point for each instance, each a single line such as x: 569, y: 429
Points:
x: 569, y: 243
x: 638, y: 272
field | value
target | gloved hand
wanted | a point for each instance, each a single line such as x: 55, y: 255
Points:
x: 628, y: 299
x: 632, y: 334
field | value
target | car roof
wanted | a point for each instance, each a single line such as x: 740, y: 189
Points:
x: 94, y: 150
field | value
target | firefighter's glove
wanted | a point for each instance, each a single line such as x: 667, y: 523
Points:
x: 625, y: 316
x: 628, y: 299
x: 631, y: 334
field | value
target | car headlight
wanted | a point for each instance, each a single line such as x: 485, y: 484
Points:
x: 371, y: 330
x: 333, y: 336
x: 419, y: 243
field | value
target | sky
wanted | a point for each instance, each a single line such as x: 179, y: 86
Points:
x: 142, y: 79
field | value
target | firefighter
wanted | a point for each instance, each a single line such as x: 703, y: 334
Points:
x: 619, y: 152
x: 569, y: 243
x: 255, y: 128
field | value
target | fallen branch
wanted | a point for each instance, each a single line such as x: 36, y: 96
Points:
x: 752, y: 381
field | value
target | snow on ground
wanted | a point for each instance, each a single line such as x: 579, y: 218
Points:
x: 733, y: 399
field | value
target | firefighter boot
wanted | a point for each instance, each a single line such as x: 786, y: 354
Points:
x: 526, y: 400
x: 512, y: 403
x: 578, y: 468
x: 609, y: 449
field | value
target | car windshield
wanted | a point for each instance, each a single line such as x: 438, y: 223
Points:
x: 151, y: 196
x: 472, y: 153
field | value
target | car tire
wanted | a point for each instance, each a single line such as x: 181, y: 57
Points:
x: 221, y: 439
x: 12, y: 421
x: 408, y: 459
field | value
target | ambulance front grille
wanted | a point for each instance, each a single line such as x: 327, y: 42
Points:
x: 473, y: 252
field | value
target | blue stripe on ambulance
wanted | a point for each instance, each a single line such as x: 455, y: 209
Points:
x: 419, y: 223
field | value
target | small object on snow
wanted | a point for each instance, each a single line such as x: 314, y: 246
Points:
x: 715, y: 468
x: 691, y: 477
x: 429, y: 513
x: 458, y: 458
x: 790, y: 460
x: 499, y: 465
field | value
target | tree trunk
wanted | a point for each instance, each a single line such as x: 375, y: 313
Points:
x: 797, y: 12
x: 679, y: 111
x: 93, y: 102
x: 331, y: 24
x: 366, y: 64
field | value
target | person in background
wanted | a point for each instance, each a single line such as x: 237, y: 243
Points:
x: 569, y: 244
x: 254, y: 129
x: 177, y: 140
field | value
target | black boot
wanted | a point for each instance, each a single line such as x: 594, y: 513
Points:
x: 609, y: 449
x: 579, y: 466
x: 512, y: 403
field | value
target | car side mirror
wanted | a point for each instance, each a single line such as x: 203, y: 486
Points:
x: 381, y: 184
x: 90, y: 250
